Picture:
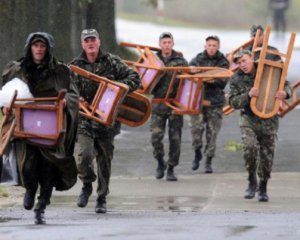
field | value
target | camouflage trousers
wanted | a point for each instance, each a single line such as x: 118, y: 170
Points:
x: 102, y: 151
x: 158, y: 126
x: 258, y: 152
x: 210, y: 121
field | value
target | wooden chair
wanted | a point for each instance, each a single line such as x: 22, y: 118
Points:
x: 40, y: 121
x: 189, y: 95
x: 7, y: 126
x: 270, y: 78
x: 149, y: 66
x: 289, y: 104
x: 111, y: 102
x: 134, y: 110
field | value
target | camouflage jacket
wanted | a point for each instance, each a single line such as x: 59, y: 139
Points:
x: 213, y: 92
x: 160, y: 90
x: 111, y: 67
x: 240, y: 85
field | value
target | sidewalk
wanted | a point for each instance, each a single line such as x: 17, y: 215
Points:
x: 198, y: 193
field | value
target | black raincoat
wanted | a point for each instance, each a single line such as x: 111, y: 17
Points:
x: 54, y: 76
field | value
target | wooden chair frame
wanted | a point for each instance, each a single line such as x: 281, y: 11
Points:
x: 270, y: 78
x: 48, y: 104
x: 7, y: 126
x: 92, y: 110
x: 195, y: 76
x: 288, y: 105
x: 132, y: 109
x: 149, y: 66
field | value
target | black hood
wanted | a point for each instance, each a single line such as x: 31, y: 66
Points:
x: 49, y: 41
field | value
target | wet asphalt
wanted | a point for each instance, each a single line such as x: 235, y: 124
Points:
x: 199, y: 204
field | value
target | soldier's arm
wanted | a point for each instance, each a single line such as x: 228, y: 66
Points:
x: 236, y: 98
x: 126, y: 75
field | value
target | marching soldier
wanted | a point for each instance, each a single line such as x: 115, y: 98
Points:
x: 211, y: 118
x: 161, y: 114
x: 258, y: 135
x: 96, y: 140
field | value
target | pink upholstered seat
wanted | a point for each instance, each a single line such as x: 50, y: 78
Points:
x: 187, y: 95
x: 40, y: 122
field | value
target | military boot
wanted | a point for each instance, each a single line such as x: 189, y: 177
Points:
x: 262, y: 192
x: 197, y: 159
x: 208, y: 168
x: 39, y: 211
x: 161, y: 167
x: 85, y: 193
x: 29, y: 197
x: 250, y: 191
x: 101, y: 205
x: 170, y: 174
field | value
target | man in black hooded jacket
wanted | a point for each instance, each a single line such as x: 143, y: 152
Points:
x: 42, y: 166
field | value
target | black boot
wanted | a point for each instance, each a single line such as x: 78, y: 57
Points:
x: 262, y: 192
x: 101, y: 205
x: 85, y: 193
x: 170, y: 174
x: 197, y: 159
x: 208, y: 168
x: 252, y: 187
x: 161, y: 167
x: 39, y: 212
x: 29, y: 197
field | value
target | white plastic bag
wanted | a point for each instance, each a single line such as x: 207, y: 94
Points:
x: 8, y: 168
x: 7, y: 91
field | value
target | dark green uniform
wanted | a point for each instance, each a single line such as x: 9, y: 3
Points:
x: 258, y: 135
x: 95, y: 139
x: 161, y: 114
x: 211, y: 118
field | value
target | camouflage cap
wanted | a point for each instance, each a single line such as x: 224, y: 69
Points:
x: 86, y: 33
x: 254, y: 29
x: 213, y: 37
x: 38, y: 38
x: 240, y: 53
x: 165, y: 35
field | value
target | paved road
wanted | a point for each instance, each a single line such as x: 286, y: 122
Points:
x: 141, y: 207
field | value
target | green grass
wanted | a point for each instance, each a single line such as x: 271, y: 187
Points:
x: 233, y: 146
x: 3, y: 192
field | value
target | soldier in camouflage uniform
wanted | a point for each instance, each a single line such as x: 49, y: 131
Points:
x: 94, y: 139
x: 161, y: 114
x: 258, y: 135
x: 211, y: 118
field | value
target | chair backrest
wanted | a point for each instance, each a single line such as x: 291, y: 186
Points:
x: 270, y: 78
x: 42, y: 123
x: 187, y: 94
x: 108, y: 103
x: 149, y: 66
